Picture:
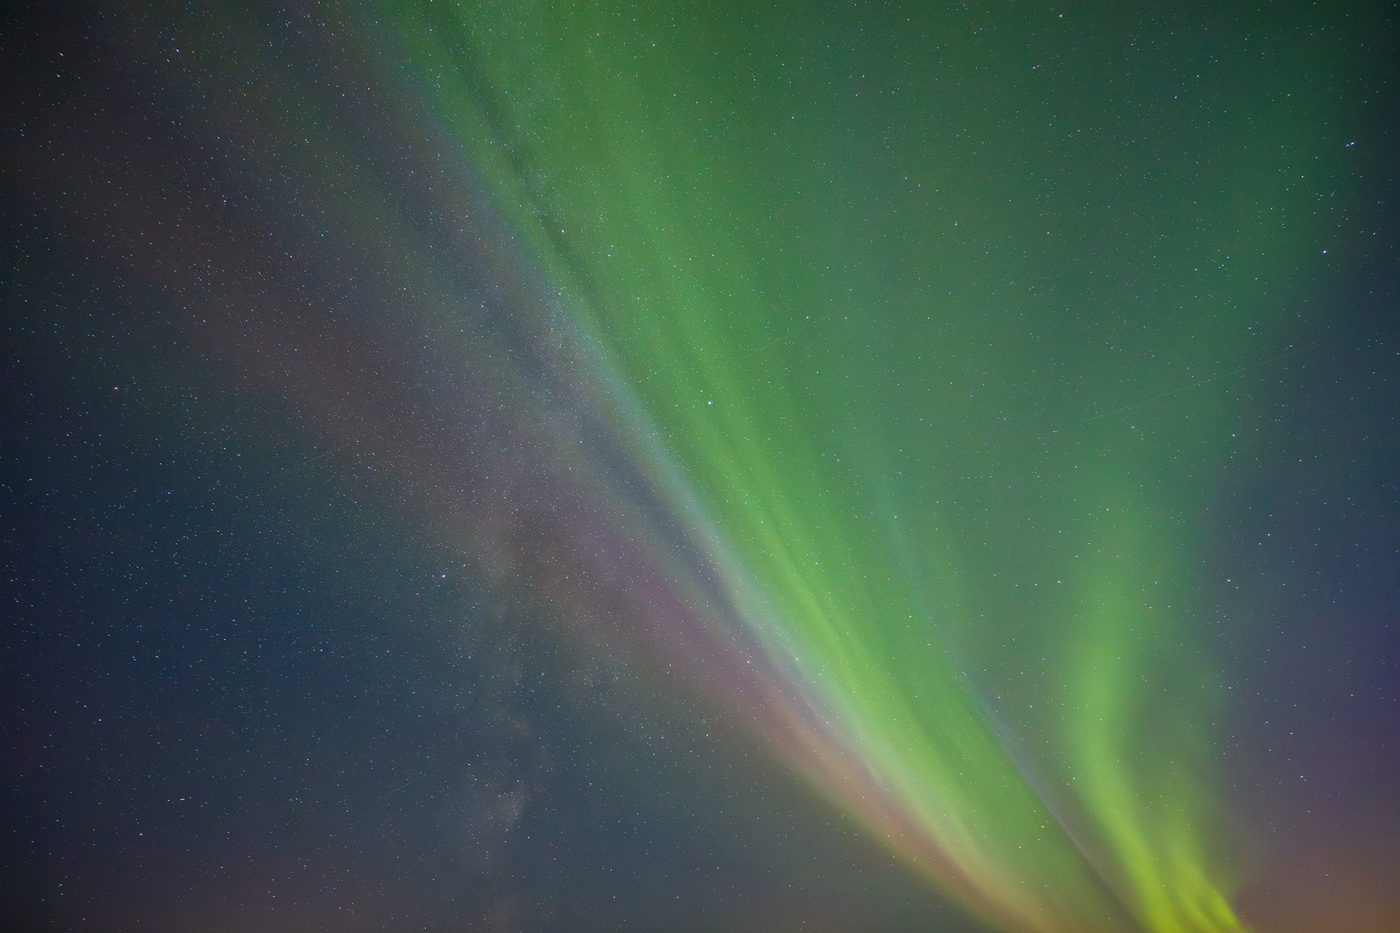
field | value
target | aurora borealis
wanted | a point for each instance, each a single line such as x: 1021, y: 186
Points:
x: 545, y: 466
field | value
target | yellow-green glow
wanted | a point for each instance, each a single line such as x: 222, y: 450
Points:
x: 870, y: 281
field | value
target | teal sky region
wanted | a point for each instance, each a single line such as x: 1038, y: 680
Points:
x: 886, y: 380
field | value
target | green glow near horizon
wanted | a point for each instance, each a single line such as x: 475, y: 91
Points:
x: 871, y: 281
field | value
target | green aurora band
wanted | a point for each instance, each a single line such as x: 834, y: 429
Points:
x: 887, y: 289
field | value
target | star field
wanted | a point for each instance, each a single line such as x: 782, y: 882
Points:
x: 540, y: 466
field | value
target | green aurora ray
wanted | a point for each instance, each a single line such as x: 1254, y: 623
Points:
x: 887, y: 288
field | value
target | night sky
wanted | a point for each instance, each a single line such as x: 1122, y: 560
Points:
x: 522, y: 466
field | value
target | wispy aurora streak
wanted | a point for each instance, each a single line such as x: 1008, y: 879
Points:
x: 959, y: 606
x: 989, y: 598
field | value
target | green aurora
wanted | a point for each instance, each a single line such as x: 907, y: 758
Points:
x: 897, y: 292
